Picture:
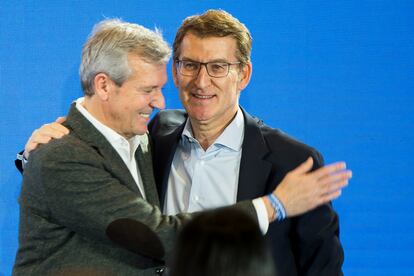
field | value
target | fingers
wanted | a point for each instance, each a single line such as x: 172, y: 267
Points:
x: 52, y: 130
x: 28, y: 148
x: 333, y: 185
x: 33, y: 142
x: 301, y: 190
x: 328, y: 169
x: 338, y: 186
x: 39, y: 136
x: 304, y: 167
x: 44, y: 134
x: 58, y: 128
x: 43, y: 138
x: 329, y: 197
x: 333, y: 178
x: 60, y: 120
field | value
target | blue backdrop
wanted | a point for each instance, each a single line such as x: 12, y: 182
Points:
x: 338, y: 75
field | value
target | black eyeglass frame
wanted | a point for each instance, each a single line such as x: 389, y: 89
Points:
x: 179, y: 62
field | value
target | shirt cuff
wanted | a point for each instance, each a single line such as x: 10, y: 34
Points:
x: 262, y: 216
x: 22, y: 159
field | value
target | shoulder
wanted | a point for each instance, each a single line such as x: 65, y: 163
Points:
x: 170, y: 116
x: 167, y: 120
x: 66, y: 149
x: 280, y: 143
x: 279, y: 140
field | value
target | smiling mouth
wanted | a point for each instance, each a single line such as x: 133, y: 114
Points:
x: 203, y: 97
x: 145, y: 115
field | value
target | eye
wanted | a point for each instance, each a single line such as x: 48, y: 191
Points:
x: 189, y: 65
x: 147, y: 89
x: 218, y: 67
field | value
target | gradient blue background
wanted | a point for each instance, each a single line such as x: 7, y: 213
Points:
x: 338, y: 75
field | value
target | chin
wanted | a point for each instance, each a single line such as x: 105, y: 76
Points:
x: 201, y: 118
x: 140, y: 131
x: 198, y: 114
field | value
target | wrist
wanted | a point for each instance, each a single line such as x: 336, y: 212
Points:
x: 25, y: 155
x: 271, y: 214
x: 278, y: 208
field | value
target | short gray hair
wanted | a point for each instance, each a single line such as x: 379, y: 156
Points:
x: 107, y: 48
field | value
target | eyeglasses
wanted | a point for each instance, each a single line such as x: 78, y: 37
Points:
x: 214, y: 69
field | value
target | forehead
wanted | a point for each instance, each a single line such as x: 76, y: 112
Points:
x: 148, y: 74
x: 208, y: 48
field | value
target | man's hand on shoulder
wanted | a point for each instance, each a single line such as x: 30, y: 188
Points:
x: 302, y: 190
x: 44, y: 134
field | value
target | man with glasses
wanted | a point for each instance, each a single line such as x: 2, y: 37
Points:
x: 215, y: 154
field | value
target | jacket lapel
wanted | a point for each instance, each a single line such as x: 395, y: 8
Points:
x: 82, y: 128
x: 254, y: 169
x: 144, y: 162
x: 167, y: 150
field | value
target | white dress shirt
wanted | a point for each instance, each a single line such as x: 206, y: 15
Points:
x: 201, y: 180
x: 125, y: 148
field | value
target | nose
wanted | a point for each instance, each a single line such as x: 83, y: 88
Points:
x: 157, y: 100
x: 203, y: 79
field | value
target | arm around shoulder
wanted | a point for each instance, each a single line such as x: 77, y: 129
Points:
x: 82, y: 191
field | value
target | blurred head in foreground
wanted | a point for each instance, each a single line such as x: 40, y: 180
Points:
x: 222, y: 242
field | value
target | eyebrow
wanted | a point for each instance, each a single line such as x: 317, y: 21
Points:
x: 213, y: 60
x: 152, y: 87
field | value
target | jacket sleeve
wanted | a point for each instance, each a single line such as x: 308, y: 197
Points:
x: 70, y: 185
x: 19, y: 163
x: 318, y: 249
x: 72, y: 188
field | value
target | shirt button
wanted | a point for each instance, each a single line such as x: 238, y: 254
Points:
x: 196, y: 198
x: 202, y: 162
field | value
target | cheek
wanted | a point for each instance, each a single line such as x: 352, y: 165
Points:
x: 126, y: 107
x: 136, y: 102
x: 184, y: 94
x: 231, y: 94
x: 184, y: 84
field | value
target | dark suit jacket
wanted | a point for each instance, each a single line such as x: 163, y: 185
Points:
x: 73, y: 188
x: 304, y: 245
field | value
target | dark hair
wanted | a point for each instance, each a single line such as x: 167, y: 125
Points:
x: 215, y: 23
x: 220, y: 243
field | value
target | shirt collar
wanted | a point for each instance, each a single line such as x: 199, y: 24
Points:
x: 232, y: 136
x: 111, y: 135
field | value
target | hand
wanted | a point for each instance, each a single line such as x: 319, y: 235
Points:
x: 44, y: 134
x: 301, y: 190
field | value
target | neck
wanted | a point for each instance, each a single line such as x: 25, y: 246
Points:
x: 97, y: 110
x: 206, y: 133
x: 89, y: 103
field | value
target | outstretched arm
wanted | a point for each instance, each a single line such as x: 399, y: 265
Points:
x: 302, y: 190
x: 314, y: 233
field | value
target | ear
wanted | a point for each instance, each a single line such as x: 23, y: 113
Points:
x: 103, y: 86
x: 244, y: 76
x: 174, y: 74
